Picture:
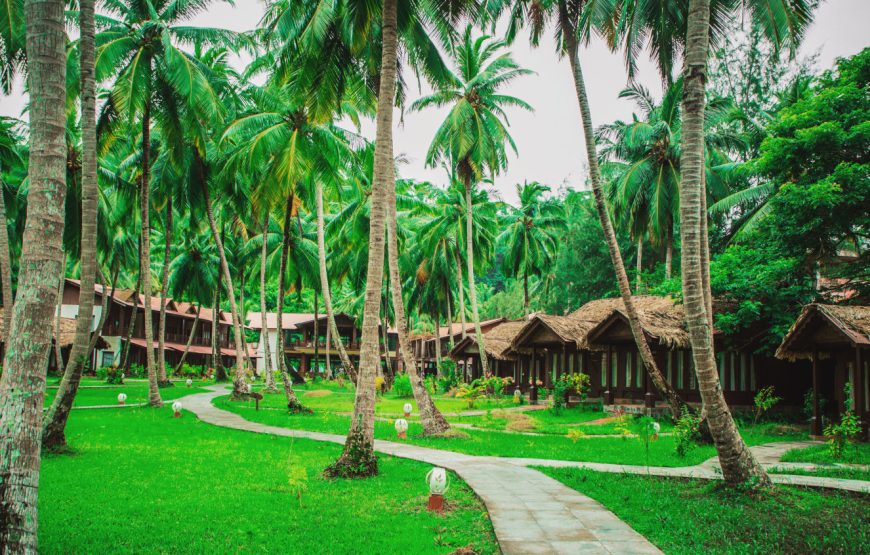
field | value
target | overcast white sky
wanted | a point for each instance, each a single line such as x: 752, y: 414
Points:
x: 549, y: 141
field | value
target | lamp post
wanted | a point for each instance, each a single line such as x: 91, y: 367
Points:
x: 438, y: 484
x: 402, y: 428
x: 408, y: 408
x: 122, y: 397
x: 176, y: 409
x: 189, y: 382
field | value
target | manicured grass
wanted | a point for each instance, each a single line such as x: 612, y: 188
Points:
x: 827, y: 472
x: 140, y: 481
x: 545, y: 421
x: 492, y: 443
x: 137, y: 392
x: 856, y: 453
x: 688, y: 516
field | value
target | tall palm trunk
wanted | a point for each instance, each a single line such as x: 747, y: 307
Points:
x: 437, y: 317
x: 162, y: 379
x: 131, y: 326
x: 449, y: 313
x: 240, y: 385
x: 639, y: 269
x: 190, y: 337
x: 55, y: 420
x: 669, y: 254
x: 358, y: 458
x: 472, y: 290
x: 58, y: 355
x: 269, y: 377
x: 738, y: 464
x: 662, y: 386
x: 215, y: 333
x: 145, y: 257
x: 22, y: 386
x: 293, y: 403
x: 5, y: 267
x: 349, y: 368
x: 328, y: 374
x: 461, y: 296
x: 384, y: 339
x: 526, y: 291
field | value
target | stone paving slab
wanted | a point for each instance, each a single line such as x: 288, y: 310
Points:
x: 530, y: 512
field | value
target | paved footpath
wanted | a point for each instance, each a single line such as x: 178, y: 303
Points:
x: 530, y: 512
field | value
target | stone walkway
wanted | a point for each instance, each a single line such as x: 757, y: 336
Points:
x: 530, y: 512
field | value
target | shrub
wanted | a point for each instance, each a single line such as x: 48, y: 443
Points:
x: 560, y: 394
x: 136, y: 371
x: 846, y: 432
x: 402, y: 386
x: 686, y: 432
x: 764, y: 401
x: 448, y: 378
x: 112, y: 374
x: 580, y: 383
x: 471, y: 392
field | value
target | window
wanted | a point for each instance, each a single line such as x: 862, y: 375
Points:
x: 733, y: 364
x: 722, y: 369
x: 604, y: 370
x: 692, y: 372
x: 638, y: 371
x: 679, y: 355
x: 628, y: 362
x: 107, y: 358
x: 742, y: 371
x: 614, y: 366
x: 670, y: 368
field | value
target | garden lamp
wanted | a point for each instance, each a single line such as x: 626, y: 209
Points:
x: 176, y: 408
x: 189, y: 382
x: 438, y: 484
x: 402, y: 428
x: 408, y: 408
x: 656, y: 428
x: 122, y: 397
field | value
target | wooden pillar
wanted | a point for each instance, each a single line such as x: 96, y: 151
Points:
x: 533, y: 387
x: 817, y: 417
x: 608, y: 376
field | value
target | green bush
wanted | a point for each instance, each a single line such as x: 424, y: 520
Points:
x: 686, y: 432
x: 402, y: 386
x: 136, y: 371
x: 846, y: 432
x: 448, y: 378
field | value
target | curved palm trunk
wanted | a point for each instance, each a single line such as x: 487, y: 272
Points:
x: 5, y: 268
x: 358, y: 458
x: 437, y: 317
x: 269, y: 377
x: 154, y: 399
x: 58, y: 355
x: 526, y: 291
x: 461, y: 296
x: 662, y: 386
x: 449, y: 313
x: 639, y: 269
x: 162, y: 379
x: 384, y: 337
x: 215, y: 332
x: 328, y: 374
x: 240, y: 386
x: 738, y: 464
x: 332, y: 330
x: 293, y: 404
x: 131, y: 325
x: 55, y: 419
x: 22, y: 386
x: 472, y: 292
x: 190, y: 337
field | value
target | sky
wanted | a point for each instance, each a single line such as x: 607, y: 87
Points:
x: 549, y: 140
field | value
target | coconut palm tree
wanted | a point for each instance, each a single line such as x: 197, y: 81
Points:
x: 532, y: 234
x: 11, y: 154
x: 474, y: 136
x: 22, y: 385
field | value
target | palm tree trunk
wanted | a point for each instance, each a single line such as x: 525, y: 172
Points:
x: 131, y: 325
x: 669, y: 254
x: 242, y: 320
x: 22, y: 386
x: 5, y: 267
x: 240, y: 386
x: 384, y: 338
x: 461, y: 296
x: 215, y: 332
x: 526, y: 291
x: 472, y: 290
x: 639, y: 270
x: 58, y: 356
x: 449, y: 313
x: 662, y: 386
x: 358, y: 457
x: 53, y: 436
x: 190, y: 337
x: 349, y: 368
x: 328, y: 374
x: 316, y: 337
x: 154, y: 399
x: 162, y: 379
x: 269, y: 377
x: 738, y: 464
x: 437, y: 317
x: 293, y: 404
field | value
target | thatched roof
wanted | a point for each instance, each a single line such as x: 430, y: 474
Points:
x: 67, y: 331
x: 662, y: 319
x: 825, y: 325
x: 497, y: 341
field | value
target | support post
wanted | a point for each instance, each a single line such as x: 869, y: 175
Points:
x: 533, y: 387
x: 817, y: 417
x: 608, y: 375
x: 859, y: 393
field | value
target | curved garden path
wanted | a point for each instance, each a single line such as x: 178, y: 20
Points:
x: 531, y: 512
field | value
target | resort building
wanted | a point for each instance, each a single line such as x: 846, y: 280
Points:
x: 305, y: 341
x: 503, y: 361
x: 836, y: 341
x: 431, y: 347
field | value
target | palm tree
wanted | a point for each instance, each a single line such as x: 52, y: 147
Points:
x: 532, y: 234
x: 11, y: 155
x: 55, y: 419
x: 473, y: 136
x: 137, y: 47
x: 22, y: 385
x: 571, y: 25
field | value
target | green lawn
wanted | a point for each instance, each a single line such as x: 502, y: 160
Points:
x: 137, y: 392
x: 857, y: 453
x: 827, y: 472
x: 481, y: 442
x: 688, y: 516
x: 545, y: 421
x: 140, y: 481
